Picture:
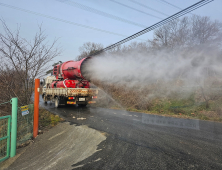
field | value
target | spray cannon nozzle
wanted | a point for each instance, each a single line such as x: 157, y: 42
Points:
x: 84, y: 68
x: 73, y: 69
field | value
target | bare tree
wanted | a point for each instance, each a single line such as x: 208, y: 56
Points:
x: 188, y: 32
x: 205, y: 31
x: 89, y: 48
x: 10, y: 87
x: 27, y: 59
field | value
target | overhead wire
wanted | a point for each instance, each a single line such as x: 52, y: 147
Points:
x: 101, y: 13
x: 62, y: 20
x: 145, y: 6
x: 127, y: 6
x: 158, y: 24
x: 170, y: 4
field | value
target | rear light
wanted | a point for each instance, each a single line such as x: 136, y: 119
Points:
x: 68, y: 102
x: 94, y: 97
x: 71, y: 98
x: 92, y: 102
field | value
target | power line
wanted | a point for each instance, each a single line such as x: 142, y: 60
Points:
x: 145, y: 6
x: 170, y: 4
x: 62, y: 20
x: 158, y: 24
x: 101, y: 13
x: 134, y: 9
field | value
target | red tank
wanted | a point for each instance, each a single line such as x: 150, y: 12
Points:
x: 70, y: 69
x: 69, y: 75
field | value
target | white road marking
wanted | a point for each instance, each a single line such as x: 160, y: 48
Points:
x: 56, y: 135
x: 81, y: 118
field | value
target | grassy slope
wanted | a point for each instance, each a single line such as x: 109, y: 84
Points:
x: 192, y: 106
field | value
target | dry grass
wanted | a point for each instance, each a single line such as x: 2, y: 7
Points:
x: 175, y: 104
x: 47, y: 119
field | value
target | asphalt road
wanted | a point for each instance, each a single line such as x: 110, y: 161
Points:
x: 134, y: 141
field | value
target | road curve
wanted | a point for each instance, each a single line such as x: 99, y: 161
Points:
x: 134, y: 143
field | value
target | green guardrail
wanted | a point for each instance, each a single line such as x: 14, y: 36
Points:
x: 5, y: 129
x: 8, y: 130
x: 15, y: 129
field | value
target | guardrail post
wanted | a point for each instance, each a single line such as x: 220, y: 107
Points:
x: 14, y: 126
x: 36, y: 109
x: 8, y: 134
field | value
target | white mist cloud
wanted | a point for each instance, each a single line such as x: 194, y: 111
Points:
x: 139, y: 69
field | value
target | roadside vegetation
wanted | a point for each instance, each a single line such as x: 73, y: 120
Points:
x: 22, y: 61
x: 193, y: 106
x: 48, y: 119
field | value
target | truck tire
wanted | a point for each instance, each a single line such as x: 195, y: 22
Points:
x: 45, y: 99
x: 57, y: 102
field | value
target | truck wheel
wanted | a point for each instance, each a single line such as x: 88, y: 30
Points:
x: 45, y: 99
x: 57, y: 102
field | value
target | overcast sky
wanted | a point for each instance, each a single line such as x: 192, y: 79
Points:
x: 71, y: 36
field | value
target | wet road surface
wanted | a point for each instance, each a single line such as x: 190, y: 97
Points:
x: 132, y: 143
